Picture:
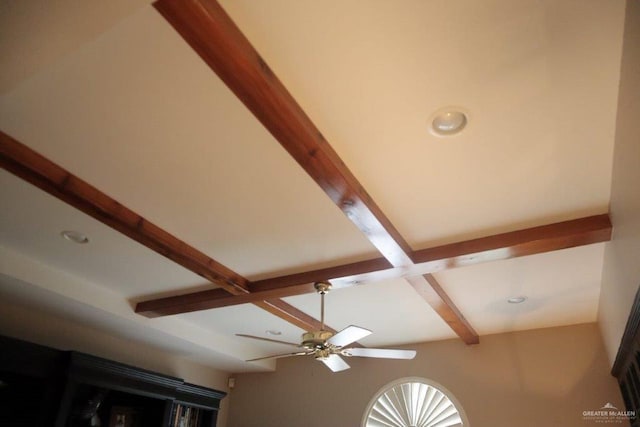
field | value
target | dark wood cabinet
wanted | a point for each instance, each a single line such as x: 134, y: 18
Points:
x: 31, y: 383
x: 626, y: 367
x: 40, y: 386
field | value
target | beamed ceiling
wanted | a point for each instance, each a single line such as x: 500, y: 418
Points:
x: 223, y: 157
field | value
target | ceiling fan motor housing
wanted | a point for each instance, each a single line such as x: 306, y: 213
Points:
x: 316, y: 339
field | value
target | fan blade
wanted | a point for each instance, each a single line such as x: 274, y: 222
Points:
x: 383, y: 353
x: 280, y: 356
x: 348, y: 335
x: 268, y: 339
x: 334, y: 362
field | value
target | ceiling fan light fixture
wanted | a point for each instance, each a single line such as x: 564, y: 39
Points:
x: 448, y: 121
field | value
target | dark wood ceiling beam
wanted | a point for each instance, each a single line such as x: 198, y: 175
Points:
x: 430, y: 290
x: 290, y: 285
x: 530, y: 241
x: 185, y: 303
x: 212, y: 298
x: 29, y: 165
x: 535, y: 240
x: 214, y: 36
x: 357, y: 270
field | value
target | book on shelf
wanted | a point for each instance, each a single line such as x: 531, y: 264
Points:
x: 186, y: 416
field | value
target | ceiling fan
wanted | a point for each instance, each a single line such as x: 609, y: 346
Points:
x: 327, y: 347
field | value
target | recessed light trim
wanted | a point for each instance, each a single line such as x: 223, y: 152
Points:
x: 517, y: 300
x: 448, y: 121
x: 75, y: 236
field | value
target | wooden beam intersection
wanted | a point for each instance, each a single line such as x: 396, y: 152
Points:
x: 211, y: 33
x: 530, y: 241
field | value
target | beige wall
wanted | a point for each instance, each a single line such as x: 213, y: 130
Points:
x: 544, y: 377
x: 621, y: 272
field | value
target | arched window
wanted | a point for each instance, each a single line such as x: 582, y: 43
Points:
x: 414, y: 402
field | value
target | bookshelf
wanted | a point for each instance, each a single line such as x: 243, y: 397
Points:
x: 40, y: 386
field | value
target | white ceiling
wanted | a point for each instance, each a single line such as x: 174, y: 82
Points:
x: 115, y: 96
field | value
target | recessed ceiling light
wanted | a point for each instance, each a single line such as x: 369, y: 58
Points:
x: 273, y: 332
x: 448, y: 121
x: 75, y: 236
x: 517, y: 300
